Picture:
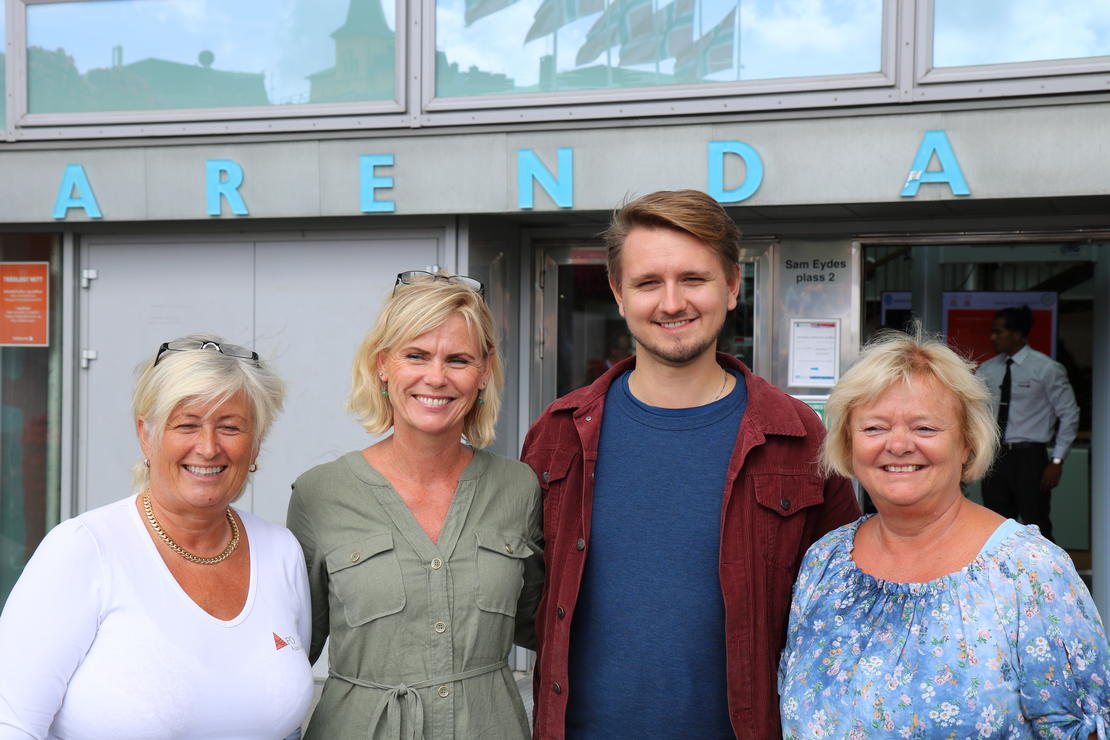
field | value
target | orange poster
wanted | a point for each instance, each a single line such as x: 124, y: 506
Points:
x: 969, y: 316
x: 24, y: 304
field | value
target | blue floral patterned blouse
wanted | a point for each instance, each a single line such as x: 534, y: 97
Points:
x: 1011, y: 646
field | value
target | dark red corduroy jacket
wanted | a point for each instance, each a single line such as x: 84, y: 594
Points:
x: 775, y: 505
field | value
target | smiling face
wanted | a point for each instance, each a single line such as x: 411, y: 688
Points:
x: 674, y: 293
x: 434, y: 380
x: 908, y: 447
x: 202, y: 460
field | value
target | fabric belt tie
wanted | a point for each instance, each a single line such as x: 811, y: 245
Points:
x: 403, y: 700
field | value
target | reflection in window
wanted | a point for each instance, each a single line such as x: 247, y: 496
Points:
x: 113, y: 55
x: 1001, y: 31
x: 518, y: 46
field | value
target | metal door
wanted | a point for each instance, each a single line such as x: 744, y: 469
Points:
x: 579, y: 333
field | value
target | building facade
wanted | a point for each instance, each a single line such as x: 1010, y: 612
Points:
x: 263, y: 170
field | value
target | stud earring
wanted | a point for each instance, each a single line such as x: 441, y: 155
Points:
x: 146, y: 461
x: 252, y: 468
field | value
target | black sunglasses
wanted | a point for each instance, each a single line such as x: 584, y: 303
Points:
x: 185, y: 345
x: 415, y: 277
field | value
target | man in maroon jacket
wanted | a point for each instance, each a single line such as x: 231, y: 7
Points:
x: 680, y: 493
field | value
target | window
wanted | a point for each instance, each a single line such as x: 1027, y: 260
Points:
x: 1008, y: 31
x: 486, y: 47
x: 129, y: 55
x: 30, y: 398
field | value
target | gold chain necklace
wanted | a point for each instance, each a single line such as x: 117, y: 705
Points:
x: 181, y: 550
x: 723, y: 384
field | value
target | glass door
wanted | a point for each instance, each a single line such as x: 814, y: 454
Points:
x: 30, y: 397
x: 1057, y: 281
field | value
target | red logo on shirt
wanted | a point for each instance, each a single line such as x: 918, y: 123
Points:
x: 279, y: 643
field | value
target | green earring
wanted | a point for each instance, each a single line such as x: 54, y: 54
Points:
x: 385, y: 392
x: 481, y: 401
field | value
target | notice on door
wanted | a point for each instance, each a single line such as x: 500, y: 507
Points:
x: 814, y: 352
x: 24, y: 304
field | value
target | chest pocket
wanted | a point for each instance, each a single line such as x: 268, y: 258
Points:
x: 783, y: 499
x: 556, y: 466
x: 500, y: 565
x: 366, y: 578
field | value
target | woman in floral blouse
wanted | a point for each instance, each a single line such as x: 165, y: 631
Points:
x: 935, y: 618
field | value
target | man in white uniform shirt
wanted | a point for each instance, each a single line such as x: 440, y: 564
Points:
x: 1030, y: 393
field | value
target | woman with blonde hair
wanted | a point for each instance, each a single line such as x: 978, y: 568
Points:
x: 423, y: 550
x: 934, y: 617
x: 168, y: 614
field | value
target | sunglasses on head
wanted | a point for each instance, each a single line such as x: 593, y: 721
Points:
x: 416, y: 277
x: 186, y: 345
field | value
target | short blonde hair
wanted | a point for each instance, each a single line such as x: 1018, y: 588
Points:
x: 417, y: 309
x: 201, y: 376
x: 893, y: 357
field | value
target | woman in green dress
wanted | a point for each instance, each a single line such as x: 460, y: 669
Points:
x: 423, y: 550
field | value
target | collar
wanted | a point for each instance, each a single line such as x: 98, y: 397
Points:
x: 769, y: 410
x: 1021, y: 355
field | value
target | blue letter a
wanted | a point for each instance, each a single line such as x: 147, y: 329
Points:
x: 75, y: 192
x: 935, y: 142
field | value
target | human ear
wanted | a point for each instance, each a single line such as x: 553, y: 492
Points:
x: 617, y: 295
x: 141, y: 432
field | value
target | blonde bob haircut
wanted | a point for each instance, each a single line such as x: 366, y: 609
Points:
x: 201, y: 376
x: 896, y: 357
x: 417, y: 309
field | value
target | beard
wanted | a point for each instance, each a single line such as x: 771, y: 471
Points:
x: 677, y: 354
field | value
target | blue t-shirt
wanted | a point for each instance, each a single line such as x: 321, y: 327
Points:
x: 647, y: 649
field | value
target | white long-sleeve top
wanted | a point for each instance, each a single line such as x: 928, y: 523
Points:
x: 98, y: 640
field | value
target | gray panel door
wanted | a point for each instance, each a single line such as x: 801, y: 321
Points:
x: 146, y: 293
x: 316, y: 300
x: 303, y: 304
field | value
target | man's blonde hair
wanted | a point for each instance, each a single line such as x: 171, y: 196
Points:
x: 690, y: 211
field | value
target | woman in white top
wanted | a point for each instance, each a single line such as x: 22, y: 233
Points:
x: 168, y: 614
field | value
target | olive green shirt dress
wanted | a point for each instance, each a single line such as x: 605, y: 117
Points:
x: 420, y: 631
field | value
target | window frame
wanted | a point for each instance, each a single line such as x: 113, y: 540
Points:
x: 1077, y: 74
x: 906, y: 76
